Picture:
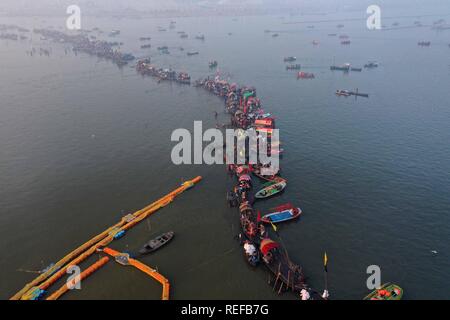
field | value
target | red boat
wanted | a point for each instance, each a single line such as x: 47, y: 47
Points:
x: 305, y: 75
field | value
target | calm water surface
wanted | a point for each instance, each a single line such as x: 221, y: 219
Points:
x: 83, y: 142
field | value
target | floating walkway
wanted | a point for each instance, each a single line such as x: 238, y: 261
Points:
x: 38, y: 287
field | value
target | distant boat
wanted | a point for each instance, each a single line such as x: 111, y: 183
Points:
x: 371, y: 65
x: 305, y: 75
x: 289, y: 59
x: 202, y: 37
x: 192, y: 53
x: 345, y: 67
x: 114, y: 33
x: 275, y: 35
x: 344, y: 93
x: 293, y: 67
x: 424, y: 43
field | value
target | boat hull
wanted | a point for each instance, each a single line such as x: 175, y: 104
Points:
x: 282, y: 216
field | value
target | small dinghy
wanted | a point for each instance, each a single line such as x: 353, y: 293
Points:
x: 157, y: 243
x: 282, y: 213
x: 271, y: 189
x: 387, y: 291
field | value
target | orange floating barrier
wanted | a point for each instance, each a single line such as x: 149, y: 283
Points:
x: 125, y: 260
x: 36, y: 288
x: 86, y: 273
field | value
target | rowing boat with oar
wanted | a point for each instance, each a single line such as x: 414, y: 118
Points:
x: 270, y: 189
x: 282, y: 213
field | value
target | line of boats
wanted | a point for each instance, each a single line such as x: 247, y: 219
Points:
x: 82, y: 43
x: 259, y: 247
x: 144, y: 67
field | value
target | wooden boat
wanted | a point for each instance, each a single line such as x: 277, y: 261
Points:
x: 284, y: 270
x: 283, y: 213
x: 192, y: 53
x: 157, y: 243
x: 270, y: 189
x: 387, y: 291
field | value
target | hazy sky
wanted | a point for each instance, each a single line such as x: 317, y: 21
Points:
x: 51, y: 7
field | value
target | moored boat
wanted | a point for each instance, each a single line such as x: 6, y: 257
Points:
x: 344, y: 93
x: 271, y: 189
x: 345, y: 67
x: 293, y: 67
x: 290, y: 59
x: 157, y: 243
x: 371, y: 65
x: 213, y: 64
x: 305, y: 75
x: 387, y: 291
x: 282, y: 213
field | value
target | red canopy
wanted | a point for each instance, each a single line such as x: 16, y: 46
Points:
x: 267, y: 245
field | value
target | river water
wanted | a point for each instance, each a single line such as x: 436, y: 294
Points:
x: 83, y: 142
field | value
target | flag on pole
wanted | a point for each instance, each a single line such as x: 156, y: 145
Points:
x: 325, y: 262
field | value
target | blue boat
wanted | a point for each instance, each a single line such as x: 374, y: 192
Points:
x: 283, y: 213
